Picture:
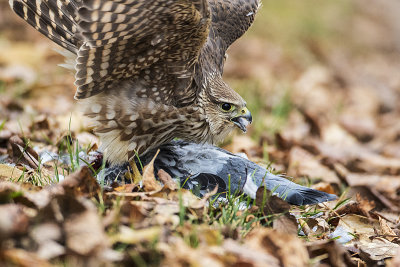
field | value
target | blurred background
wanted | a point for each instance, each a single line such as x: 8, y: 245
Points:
x: 322, y: 79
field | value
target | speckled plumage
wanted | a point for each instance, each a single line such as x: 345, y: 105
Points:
x: 148, y: 71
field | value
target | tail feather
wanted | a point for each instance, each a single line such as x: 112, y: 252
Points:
x: 52, y: 18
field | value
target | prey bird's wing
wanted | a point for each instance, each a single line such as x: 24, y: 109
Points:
x: 205, y: 166
x: 230, y: 20
x: 155, y: 42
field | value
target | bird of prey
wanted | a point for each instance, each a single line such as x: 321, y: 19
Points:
x: 149, y: 71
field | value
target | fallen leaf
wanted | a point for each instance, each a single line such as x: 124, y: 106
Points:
x: 289, y: 249
x: 383, y: 183
x: 355, y: 208
x: 285, y: 223
x: 395, y: 262
x: 370, y: 193
x: 329, y: 253
x: 303, y: 163
x: 386, y: 231
x: 270, y: 204
x: 23, y: 258
x: 130, y: 236
x: 149, y: 181
x: 248, y: 256
x: 324, y: 187
x: 84, y: 233
x: 377, y: 250
x: 360, y: 226
x: 48, y: 236
x: 22, y: 153
x: 81, y: 183
x: 13, y: 221
x: 12, y: 173
x: 167, y: 180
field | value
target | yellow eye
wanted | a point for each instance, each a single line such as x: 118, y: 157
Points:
x: 226, y: 107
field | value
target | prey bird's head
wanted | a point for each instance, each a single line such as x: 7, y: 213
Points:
x: 225, y: 109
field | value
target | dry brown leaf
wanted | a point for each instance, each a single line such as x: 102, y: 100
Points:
x: 167, y: 214
x: 126, y: 188
x: 81, y: 183
x: 248, y: 256
x: 285, y: 223
x: 383, y: 183
x: 372, y: 248
x: 333, y: 134
x: 376, y: 250
x: 375, y: 163
x: 270, y: 204
x: 330, y: 253
x: 324, y: 187
x: 48, y: 236
x: 135, y: 175
x: 135, y: 211
x: 370, y: 193
x: 18, y: 193
x: 130, y: 196
x: 273, y: 205
x: 354, y: 207
x: 22, y: 153
x: 13, y: 221
x: 188, y: 198
x: 297, y: 130
x: 303, y: 163
x: 289, y: 249
x: 359, y: 125
x: 386, y: 231
x: 311, y: 90
x: 40, y: 123
x: 395, y: 262
x: 317, y: 226
x: 84, y: 233
x: 167, y: 180
x: 22, y: 258
x: 179, y: 253
x: 149, y: 180
x: 130, y: 236
x: 10, y: 173
x: 242, y: 144
x: 365, y: 204
x: 358, y: 225
x: 201, y: 203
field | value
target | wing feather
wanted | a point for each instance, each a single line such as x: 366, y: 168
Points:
x: 49, y: 21
x: 154, y: 41
x: 230, y: 20
x: 125, y: 37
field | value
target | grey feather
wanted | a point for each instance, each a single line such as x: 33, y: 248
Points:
x: 202, y: 167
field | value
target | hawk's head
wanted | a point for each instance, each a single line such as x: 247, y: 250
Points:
x: 225, y: 109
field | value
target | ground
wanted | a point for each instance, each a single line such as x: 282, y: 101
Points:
x: 322, y: 81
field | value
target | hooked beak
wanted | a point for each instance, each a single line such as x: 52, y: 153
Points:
x: 243, y: 119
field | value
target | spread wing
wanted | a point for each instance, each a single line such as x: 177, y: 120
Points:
x: 230, y: 20
x: 153, y: 42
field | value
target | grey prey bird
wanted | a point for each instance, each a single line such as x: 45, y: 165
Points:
x: 201, y: 168
x: 148, y: 71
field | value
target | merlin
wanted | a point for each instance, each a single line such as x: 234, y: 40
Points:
x: 148, y: 71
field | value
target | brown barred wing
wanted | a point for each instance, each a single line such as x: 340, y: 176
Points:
x: 148, y: 41
x: 52, y: 18
x: 230, y: 20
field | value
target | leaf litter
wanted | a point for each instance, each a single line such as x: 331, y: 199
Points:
x: 337, y: 130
